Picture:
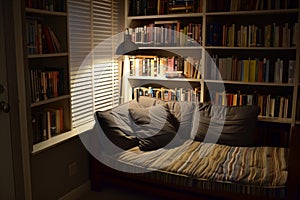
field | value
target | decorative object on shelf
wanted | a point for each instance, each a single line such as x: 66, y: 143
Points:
x: 181, y: 6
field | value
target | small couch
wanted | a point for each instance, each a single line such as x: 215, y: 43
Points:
x: 187, y: 149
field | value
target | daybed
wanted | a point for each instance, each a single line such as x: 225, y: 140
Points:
x: 187, y: 150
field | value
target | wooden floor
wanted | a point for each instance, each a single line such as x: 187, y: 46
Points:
x: 116, y: 193
x: 112, y: 192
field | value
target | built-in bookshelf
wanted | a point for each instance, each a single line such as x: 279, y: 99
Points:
x: 249, y: 47
x: 46, y: 28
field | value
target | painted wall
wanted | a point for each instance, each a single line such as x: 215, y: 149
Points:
x: 50, y: 169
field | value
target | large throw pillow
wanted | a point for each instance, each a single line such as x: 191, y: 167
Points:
x: 145, y: 101
x: 184, y: 113
x: 154, y: 126
x: 117, y: 126
x: 229, y: 125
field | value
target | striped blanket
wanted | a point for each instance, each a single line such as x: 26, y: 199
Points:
x: 259, y: 166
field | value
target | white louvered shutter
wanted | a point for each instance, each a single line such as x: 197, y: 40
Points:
x: 93, y: 66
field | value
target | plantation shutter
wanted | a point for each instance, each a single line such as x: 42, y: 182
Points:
x: 93, y: 66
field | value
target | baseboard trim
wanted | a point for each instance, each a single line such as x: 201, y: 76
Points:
x: 77, y: 192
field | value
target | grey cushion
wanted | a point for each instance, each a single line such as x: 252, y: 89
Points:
x: 145, y: 101
x: 154, y: 126
x: 117, y: 126
x: 229, y: 125
x: 184, y: 113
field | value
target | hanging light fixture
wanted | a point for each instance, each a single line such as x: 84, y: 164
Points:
x: 127, y: 47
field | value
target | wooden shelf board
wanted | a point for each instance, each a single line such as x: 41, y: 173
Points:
x: 47, y: 55
x: 45, y: 12
x: 51, y: 100
x: 275, y: 119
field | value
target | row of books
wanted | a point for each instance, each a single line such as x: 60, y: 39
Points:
x: 169, y: 67
x: 162, y: 7
x: 51, y: 5
x: 45, y: 84
x: 271, y: 105
x: 274, y: 70
x: 167, y: 94
x: 243, y: 5
x: 167, y: 33
x: 268, y: 35
x: 47, y: 123
x: 40, y: 38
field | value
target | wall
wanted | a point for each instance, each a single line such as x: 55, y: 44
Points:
x: 50, y: 169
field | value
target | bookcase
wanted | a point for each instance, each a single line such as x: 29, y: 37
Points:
x: 246, y: 52
x: 47, y: 69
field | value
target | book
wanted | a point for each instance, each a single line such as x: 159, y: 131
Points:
x: 266, y: 64
x: 260, y: 72
x: 48, y: 43
x: 55, y: 120
x: 252, y: 70
x: 291, y: 71
x: 174, y: 74
x: 246, y: 68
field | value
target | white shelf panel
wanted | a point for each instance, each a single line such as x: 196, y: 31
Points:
x: 251, y: 48
x: 255, y: 12
x: 250, y: 83
x: 53, y: 141
x: 162, y: 79
x: 193, y: 51
x: 181, y: 15
x: 275, y: 119
x: 61, y: 137
x: 172, y: 48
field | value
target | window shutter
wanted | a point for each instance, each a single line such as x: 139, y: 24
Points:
x: 93, y: 67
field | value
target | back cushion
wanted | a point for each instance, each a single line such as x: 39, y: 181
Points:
x: 117, y: 126
x: 145, y: 101
x: 154, y: 126
x: 229, y: 125
x: 184, y: 113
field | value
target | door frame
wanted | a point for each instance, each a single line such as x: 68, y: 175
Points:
x: 12, y: 13
x: 7, y: 187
